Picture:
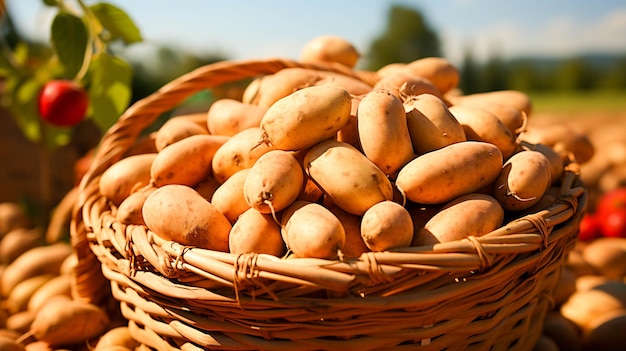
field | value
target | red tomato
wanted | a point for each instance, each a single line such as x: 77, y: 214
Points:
x: 589, y: 227
x: 611, y: 200
x: 63, y: 103
x: 613, y: 223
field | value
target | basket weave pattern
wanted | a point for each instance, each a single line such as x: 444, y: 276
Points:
x: 486, y: 293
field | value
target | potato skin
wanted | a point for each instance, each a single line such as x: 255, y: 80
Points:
x: 441, y: 72
x: 239, y: 152
x: 118, y: 181
x: 178, y: 213
x: 444, y: 174
x: 386, y: 225
x: 471, y: 214
x: 175, y: 129
x: 230, y: 116
x: 256, y: 232
x: 524, y: 179
x: 351, y: 180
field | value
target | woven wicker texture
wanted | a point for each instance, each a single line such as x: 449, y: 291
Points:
x: 486, y: 293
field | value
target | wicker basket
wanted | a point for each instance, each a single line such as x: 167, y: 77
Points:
x: 487, y: 293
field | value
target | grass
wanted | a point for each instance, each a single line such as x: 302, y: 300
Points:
x: 598, y: 101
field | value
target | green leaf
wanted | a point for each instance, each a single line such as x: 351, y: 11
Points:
x: 24, y: 108
x: 109, y: 89
x: 69, y: 39
x: 116, y: 22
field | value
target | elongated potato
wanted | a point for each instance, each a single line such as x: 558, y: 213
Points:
x: 468, y: 215
x: 306, y: 117
x: 273, y: 182
x: 239, y: 152
x: 329, y: 48
x: 556, y: 162
x: 186, y: 162
x: 129, y: 211
x: 431, y: 124
x: 12, y: 216
x: 513, y: 98
x: 60, y: 285
x: 231, y: 116
x: 383, y: 131
x: 386, y: 225
x: 523, y: 180
x: 441, y: 72
x: 118, y: 336
x: 405, y: 85
x: 18, y: 241
x: 256, y: 232
x: 17, y: 300
x: 351, y: 180
x: 444, y: 174
x: 178, y: 213
x: 266, y: 90
x: 514, y: 119
x: 311, y: 230
x: 175, y: 129
x: 229, y: 198
x: 482, y: 125
x: 119, y: 180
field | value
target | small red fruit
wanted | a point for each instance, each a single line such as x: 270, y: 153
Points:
x: 611, y: 200
x: 63, y: 103
x: 613, y: 224
x: 589, y: 227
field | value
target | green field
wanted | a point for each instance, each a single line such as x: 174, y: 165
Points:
x: 579, y: 102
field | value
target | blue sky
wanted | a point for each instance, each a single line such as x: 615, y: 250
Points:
x: 258, y: 29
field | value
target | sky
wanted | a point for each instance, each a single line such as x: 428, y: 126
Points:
x: 251, y: 29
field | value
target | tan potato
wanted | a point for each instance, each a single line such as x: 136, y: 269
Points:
x: 118, y: 336
x: 482, y: 125
x: 383, y: 131
x: 166, y: 213
x: 584, y: 306
x: 556, y: 162
x: 406, y: 85
x: 524, y: 179
x: 607, y: 256
x: 444, y: 174
x: 8, y: 344
x: 420, y: 215
x: 349, y: 133
x: 207, y: 187
x: 513, y: 119
x: 256, y: 232
x: 145, y: 144
x: 468, y: 215
x: 129, y: 211
x: 68, y: 323
x: 431, y: 124
x: 515, y: 99
x: 441, y: 72
x: 239, y: 152
x: 130, y: 173
x: 39, y: 260
x: 306, y: 117
x: 391, y: 69
x: 12, y: 216
x: 311, y: 230
x: 230, y: 116
x: 175, y: 129
x: 351, y: 223
x: 566, y: 140
x: 229, y: 197
x: 266, y: 90
x: 353, y: 85
x: 386, y: 225
x: 18, y: 299
x: 17, y: 241
x: 21, y: 321
x: 186, y: 162
x: 60, y: 285
x: 329, y: 48
x: 273, y: 182
x: 353, y: 182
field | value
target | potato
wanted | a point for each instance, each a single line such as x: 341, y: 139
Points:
x: 607, y: 256
x: 237, y: 153
x: 482, y: 125
x: 126, y: 175
x: 178, y: 213
x: 406, y: 85
x: 514, y: 120
x: 21, y: 321
x: 566, y: 140
x: 311, y: 230
x: 175, y: 129
x: 351, y: 223
x: 467, y: 215
x: 17, y: 241
x: 229, y: 198
x: 441, y: 72
x: 206, y: 188
x: 431, y: 124
x: 556, y: 162
x: 17, y: 301
x: 186, y: 162
x: 145, y: 144
x: 12, y: 216
x: 39, y: 260
x: 256, y: 232
x: 266, y: 90
x: 391, y: 69
x: 383, y: 132
x: 230, y: 116
x: 329, y: 49
x: 420, y: 215
x: 306, y: 117
x: 386, y: 225
x: 129, y: 211
x: 515, y: 99
x: 351, y: 180
x: 524, y: 179
x: 273, y: 182
x: 349, y: 133
x: 444, y: 174
x: 606, y: 332
x: 118, y: 336
x: 68, y: 323
x: 584, y: 306
x: 60, y: 285
x: 8, y: 344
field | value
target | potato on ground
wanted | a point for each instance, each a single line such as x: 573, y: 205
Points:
x: 273, y: 182
x: 524, y: 179
x: 468, y: 215
x: 126, y: 175
x: 386, y: 225
x: 178, y: 213
x: 256, y: 232
x: 351, y: 180
x: 12, y: 216
x: 306, y: 117
x: 311, y: 230
x: 583, y: 307
x: 447, y: 173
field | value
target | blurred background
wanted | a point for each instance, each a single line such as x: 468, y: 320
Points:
x: 569, y: 56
